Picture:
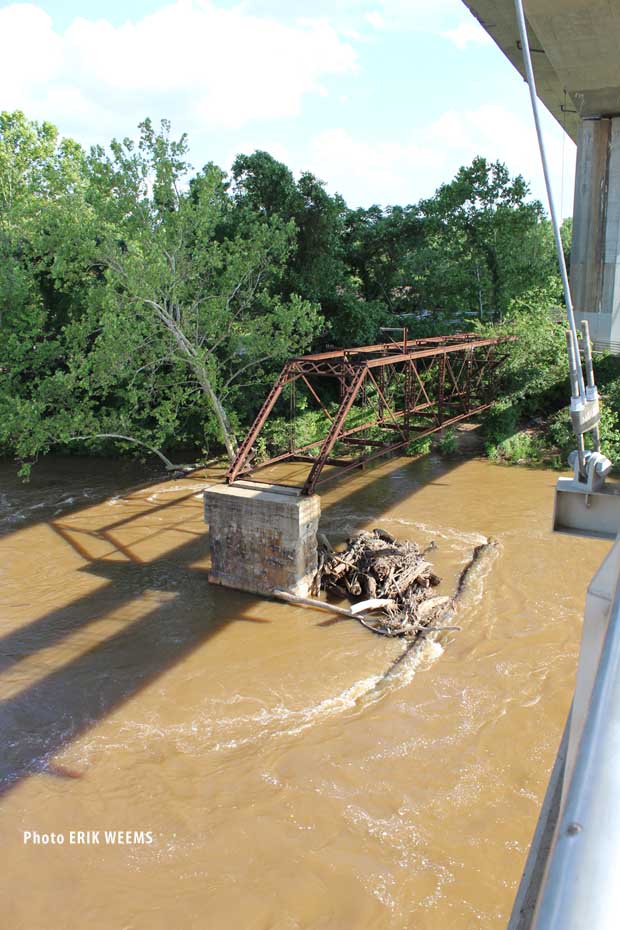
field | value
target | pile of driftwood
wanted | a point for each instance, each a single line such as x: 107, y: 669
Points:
x: 391, y: 583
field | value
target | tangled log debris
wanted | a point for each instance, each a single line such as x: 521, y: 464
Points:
x: 394, y: 579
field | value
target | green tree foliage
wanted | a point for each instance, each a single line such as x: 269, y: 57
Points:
x: 42, y: 185
x: 173, y: 305
x: 265, y: 186
x: 566, y: 234
x: 537, y: 361
x: 144, y: 303
x: 483, y: 241
x: 319, y: 268
x: 380, y: 246
x: 206, y: 303
x: 535, y: 373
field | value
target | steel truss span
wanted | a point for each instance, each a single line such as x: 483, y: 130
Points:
x: 389, y: 395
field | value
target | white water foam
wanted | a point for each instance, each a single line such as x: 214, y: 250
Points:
x: 176, y: 489
x: 10, y: 516
x: 444, y: 532
x: 206, y: 732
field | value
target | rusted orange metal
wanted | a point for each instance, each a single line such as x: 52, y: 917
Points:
x: 413, y: 388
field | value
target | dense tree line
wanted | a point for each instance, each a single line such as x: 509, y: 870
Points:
x: 141, y: 300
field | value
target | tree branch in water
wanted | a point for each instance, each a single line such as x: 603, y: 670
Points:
x: 170, y: 466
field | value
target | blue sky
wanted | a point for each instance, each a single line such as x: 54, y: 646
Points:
x: 383, y: 100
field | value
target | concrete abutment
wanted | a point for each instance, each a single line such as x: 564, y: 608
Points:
x: 262, y: 537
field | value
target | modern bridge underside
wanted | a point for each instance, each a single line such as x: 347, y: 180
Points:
x: 575, y: 48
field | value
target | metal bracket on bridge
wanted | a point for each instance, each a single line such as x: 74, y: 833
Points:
x: 584, y: 504
x: 590, y: 507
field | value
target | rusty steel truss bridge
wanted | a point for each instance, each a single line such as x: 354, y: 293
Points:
x: 388, y: 394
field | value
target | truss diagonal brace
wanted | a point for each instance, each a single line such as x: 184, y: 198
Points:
x: 335, y: 429
x: 287, y: 374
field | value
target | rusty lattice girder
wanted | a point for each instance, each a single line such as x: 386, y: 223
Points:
x: 441, y: 380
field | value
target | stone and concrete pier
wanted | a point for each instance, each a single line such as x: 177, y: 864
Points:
x: 262, y: 537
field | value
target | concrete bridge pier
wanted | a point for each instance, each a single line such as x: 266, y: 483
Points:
x: 595, y: 253
x: 262, y: 537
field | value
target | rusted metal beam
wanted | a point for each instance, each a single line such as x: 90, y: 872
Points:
x: 384, y: 401
x: 387, y: 346
x: 399, y: 445
x: 336, y: 427
x: 437, y: 350
x: 282, y: 457
x: 246, y: 446
x: 313, y: 458
x: 331, y: 364
x: 317, y: 398
x: 361, y: 442
x: 415, y: 387
x: 365, y: 459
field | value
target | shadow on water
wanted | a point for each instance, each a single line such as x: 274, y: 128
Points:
x: 66, y: 484
x: 45, y: 716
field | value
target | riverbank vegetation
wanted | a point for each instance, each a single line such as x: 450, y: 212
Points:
x: 530, y: 424
x: 148, y: 305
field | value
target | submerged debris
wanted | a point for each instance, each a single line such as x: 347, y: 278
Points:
x: 394, y: 579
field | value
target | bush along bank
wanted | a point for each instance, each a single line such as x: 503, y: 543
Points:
x: 531, y: 424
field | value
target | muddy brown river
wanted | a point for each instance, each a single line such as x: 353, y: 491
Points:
x: 282, y: 784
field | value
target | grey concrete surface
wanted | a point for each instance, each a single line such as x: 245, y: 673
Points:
x: 575, y: 49
x: 261, y: 539
x: 595, y: 259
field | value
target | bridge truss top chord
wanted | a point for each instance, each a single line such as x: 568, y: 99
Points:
x: 377, y: 399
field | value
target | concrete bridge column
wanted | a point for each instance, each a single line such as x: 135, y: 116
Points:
x: 262, y: 537
x: 595, y: 254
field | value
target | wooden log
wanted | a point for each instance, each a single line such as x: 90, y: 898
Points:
x: 317, y: 605
x: 429, y: 606
x: 373, y: 603
x: 324, y: 543
x: 423, y: 630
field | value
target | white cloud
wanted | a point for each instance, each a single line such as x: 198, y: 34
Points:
x: 199, y: 63
x: 31, y: 53
x: 350, y: 16
x: 384, y: 171
x: 420, y: 15
x: 213, y: 69
x: 468, y: 33
x: 375, y: 19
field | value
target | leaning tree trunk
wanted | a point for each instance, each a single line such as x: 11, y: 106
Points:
x: 218, y: 408
x: 199, y: 368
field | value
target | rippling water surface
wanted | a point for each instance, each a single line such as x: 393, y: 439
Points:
x: 285, y: 784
